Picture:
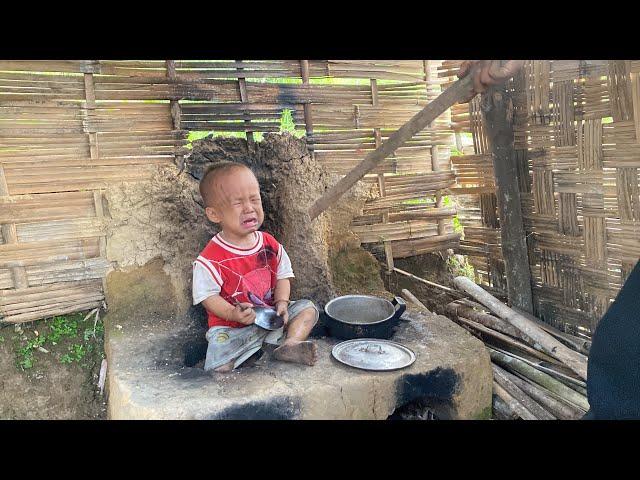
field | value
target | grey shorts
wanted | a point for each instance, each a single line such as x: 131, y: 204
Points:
x: 227, y: 343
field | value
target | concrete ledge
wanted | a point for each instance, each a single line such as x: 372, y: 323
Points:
x: 146, y: 338
x: 147, y: 379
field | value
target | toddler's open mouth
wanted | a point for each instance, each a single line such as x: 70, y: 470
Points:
x: 250, y: 222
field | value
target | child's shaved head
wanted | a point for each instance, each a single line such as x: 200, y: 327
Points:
x: 209, y: 185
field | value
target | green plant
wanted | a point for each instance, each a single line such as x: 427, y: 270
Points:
x: 62, y: 327
x: 77, y: 351
x: 457, y: 226
x: 286, y: 121
x: 54, y: 331
x: 25, y: 359
x: 24, y: 355
x: 455, y: 152
x: 459, y: 266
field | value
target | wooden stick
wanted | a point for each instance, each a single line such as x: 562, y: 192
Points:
x: 103, y: 375
x: 451, y: 291
x: 411, y: 297
x: 574, y: 360
x: 512, y: 403
x: 455, y: 93
x: 540, y: 378
x: 499, y: 375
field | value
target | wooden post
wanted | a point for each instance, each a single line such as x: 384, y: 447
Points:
x: 242, y: 83
x: 176, y: 111
x: 94, y: 152
x: 498, y: 116
x: 10, y: 235
x: 308, y: 118
x: 435, y: 166
x: 382, y: 188
x: 378, y: 139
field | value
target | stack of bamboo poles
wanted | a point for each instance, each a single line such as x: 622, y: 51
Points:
x: 539, y: 372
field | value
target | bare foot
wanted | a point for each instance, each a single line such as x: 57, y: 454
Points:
x: 297, y: 352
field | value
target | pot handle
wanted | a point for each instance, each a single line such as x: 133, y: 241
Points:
x: 400, y: 305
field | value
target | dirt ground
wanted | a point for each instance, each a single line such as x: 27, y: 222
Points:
x: 58, y: 382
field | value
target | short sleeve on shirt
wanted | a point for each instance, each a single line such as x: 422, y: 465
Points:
x: 204, y: 285
x: 284, y: 266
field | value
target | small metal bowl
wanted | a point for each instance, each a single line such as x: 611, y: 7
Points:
x: 267, y: 318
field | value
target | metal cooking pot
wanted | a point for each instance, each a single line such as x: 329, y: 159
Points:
x: 363, y: 316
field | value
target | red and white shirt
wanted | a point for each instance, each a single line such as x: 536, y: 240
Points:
x: 239, y: 274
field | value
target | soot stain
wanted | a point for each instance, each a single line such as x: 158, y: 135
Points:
x: 278, y: 408
x: 440, y: 383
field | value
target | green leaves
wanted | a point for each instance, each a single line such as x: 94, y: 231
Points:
x: 76, y: 353
x: 59, y: 330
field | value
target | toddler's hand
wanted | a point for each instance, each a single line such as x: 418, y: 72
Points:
x: 243, y: 313
x: 281, y: 309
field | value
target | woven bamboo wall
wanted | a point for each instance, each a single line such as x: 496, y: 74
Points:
x: 577, y: 141
x: 474, y: 191
x: 69, y: 129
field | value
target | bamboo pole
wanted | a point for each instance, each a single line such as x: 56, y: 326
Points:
x: 562, y: 410
x: 508, y: 340
x: 455, y: 93
x: 530, y: 404
x: 512, y: 402
x: 574, y: 360
x: 501, y: 410
x: 485, y: 319
x: 412, y: 298
x: 566, y: 379
x: 244, y: 98
x: 540, y: 378
x: 581, y: 345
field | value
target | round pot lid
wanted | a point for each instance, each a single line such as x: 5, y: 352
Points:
x: 373, y: 354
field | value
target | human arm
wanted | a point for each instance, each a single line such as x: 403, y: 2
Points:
x: 206, y: 290
x: 240, y: 313
x: 488, y: 72
x: 281, y: 298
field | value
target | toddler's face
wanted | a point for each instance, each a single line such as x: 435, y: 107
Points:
x: 238, y: 204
